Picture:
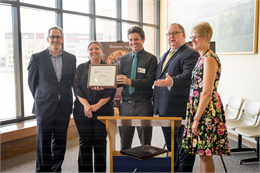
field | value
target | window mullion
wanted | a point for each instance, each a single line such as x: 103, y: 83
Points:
x: 119, y: 23
x: 18, y: 67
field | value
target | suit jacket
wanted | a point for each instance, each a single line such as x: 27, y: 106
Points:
x: 44, y: 84
x: 179, y: 67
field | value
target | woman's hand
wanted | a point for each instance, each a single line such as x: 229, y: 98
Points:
x: 95, y: 107
x: 194, y: 128
x: 88, y: 111
x: 97, y: 88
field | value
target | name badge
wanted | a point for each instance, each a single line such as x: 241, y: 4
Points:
x: 191, y: 91
x: 141, y: 70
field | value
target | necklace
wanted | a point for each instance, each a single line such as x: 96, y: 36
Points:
x: 205, y: 52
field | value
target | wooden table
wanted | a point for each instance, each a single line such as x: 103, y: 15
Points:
x: 113, y: 121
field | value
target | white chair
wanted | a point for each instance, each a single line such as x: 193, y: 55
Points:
x: 233, y: 107
x: 247, y: 118
x: 251, y: 132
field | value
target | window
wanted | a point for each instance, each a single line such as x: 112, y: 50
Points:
x: 8, y: 35
x: 111, y: 24
x: 80, y: 30
x: 106, y: 27
x: 30, y: 32
x: 149, y: 44
x: 70, y: 41
x: 82, y: 47
x: 149, y: 11
x: 83, y: 36
x: 106, y: 8
x: 70, y: 46
x: 70, y: 36
x: 125, y: 27
x: 83, y: 7
x: 129, y: 9
x: 7, y: 99
x: 71, y: 51
x: 49, y: 3
x: 82, y: 41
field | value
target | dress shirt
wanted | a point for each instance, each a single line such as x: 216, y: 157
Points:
x: 145, y: 75
x: 57, y: 64
x: 169, y: 87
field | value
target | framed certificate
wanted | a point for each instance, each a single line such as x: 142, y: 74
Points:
x: 102, y: 75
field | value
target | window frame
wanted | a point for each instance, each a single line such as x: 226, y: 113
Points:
x: 17, y: 38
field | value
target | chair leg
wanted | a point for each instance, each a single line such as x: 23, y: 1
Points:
x: 239, y: 146
x: 256, y: 159
x: 223, y: 163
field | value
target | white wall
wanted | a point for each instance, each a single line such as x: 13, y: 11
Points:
x: 240, y: 77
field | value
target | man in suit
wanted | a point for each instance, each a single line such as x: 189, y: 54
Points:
x: 50, y: 79
x: 137, y: 71
x: 171, y: 91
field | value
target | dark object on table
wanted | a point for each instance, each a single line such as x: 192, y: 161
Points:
x: 143, y: 152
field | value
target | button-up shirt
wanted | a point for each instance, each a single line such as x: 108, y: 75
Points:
x: 57, y: 64
x: 145, y: 75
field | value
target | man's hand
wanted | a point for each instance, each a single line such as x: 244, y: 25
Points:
x: 122, y: 79
x: 164, y: 82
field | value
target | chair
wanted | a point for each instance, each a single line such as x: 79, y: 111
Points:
x: 247, y: 118
x: 251, y: 132
x: 232, y: 107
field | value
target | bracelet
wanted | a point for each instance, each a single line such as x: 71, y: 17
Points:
x: 195, y: 119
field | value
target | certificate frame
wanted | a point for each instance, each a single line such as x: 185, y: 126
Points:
x: 102, y: 75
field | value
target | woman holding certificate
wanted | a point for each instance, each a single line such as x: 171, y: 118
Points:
x: 88, y: 105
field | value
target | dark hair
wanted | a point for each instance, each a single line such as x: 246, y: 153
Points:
x: 136, y: 29
x: 55, y: 27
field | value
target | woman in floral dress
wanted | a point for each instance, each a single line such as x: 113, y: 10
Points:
x: 205, y: 132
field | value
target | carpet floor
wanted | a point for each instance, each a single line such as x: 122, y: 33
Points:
x: 26, y: 163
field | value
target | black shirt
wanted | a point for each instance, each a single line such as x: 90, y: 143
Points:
x: 145, y: 75
x: 92, y: 96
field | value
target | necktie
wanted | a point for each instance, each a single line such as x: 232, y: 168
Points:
x: 167, y: 59
x: 133, y: 73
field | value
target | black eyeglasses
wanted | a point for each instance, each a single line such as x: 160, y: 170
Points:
x: 174, y: 33
x: 52, y: 37
x: 195, y: 37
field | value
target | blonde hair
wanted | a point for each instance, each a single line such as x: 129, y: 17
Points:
x: 99, y: 44
x: 95, y: 42
x: 204, y: 29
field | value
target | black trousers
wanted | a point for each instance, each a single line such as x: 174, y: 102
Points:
x: 51, y: 141
x: 92, y: 137
x: 183, y: 162
x: 142, y: 109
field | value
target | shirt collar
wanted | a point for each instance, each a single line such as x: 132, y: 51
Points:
x: 177, y: 48
x: 138, y: 53
x: 53, y: 55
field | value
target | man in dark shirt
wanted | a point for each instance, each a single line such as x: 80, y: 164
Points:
x: 137, y: 71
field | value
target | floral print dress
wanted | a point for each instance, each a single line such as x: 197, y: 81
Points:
x: 213, y: 139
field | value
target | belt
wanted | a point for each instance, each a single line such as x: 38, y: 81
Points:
x: 131, y: 101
